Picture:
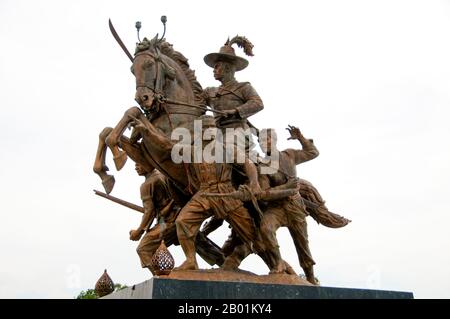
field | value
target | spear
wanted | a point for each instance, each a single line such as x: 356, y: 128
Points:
x: 244, y: 194
x: 205, y: 247
x: 119, y: 201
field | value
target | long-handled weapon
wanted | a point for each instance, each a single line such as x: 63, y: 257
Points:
x: 120, y: 201
x: 245, y: 194
x: 206, y: 248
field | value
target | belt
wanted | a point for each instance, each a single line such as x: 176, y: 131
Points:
x: 212, y: 183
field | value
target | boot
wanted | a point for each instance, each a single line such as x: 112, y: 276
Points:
x: 188, y: 246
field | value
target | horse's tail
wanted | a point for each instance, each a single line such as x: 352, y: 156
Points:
x: 318, y: 211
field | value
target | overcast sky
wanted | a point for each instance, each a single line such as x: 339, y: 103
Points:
x: 369, y: 81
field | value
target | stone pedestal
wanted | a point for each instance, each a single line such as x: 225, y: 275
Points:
x: 242, y: 285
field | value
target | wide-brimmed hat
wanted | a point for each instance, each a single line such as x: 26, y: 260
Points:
x: 227, y: 54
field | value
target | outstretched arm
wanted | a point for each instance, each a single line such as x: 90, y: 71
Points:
x: 308, y: 151
x: 290, y: 184
x: 146, y: 221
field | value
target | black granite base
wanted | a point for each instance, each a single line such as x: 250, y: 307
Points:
x: 158, y: 288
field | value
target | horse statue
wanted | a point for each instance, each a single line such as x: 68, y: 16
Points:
x: 170, y: 97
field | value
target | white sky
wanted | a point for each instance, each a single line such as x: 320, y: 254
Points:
x: 368, y: 80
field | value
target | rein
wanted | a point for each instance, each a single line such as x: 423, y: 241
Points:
x: 158, y: 91
x: 201, y: 107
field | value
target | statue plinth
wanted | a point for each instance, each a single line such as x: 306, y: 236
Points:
x: 219, y: 284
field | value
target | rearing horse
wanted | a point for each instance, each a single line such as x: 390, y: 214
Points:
x: 169, y: 94
x: 170, y: 97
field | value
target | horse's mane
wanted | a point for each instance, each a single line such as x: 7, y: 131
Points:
x: 167, y: 49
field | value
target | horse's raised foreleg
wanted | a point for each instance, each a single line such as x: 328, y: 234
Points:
x: 120, y: 157
x: 131, y: 149
x: 100, y: 167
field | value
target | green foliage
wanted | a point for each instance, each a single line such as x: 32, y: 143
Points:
x: 90, y: 293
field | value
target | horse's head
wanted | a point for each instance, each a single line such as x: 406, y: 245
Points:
x: 153, y: 73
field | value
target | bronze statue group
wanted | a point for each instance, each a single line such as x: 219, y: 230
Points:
x: 254, y: 196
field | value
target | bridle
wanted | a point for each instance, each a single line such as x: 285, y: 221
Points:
x: 157, y: 87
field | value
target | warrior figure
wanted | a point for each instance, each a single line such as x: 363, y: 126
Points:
x: 235, y: 101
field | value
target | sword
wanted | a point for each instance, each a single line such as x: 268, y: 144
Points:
x: 119, y: 41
